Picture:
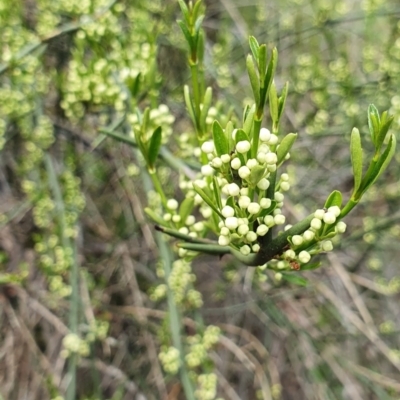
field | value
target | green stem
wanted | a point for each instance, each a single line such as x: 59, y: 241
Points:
x: 256, y: 135
x: 158, y: 187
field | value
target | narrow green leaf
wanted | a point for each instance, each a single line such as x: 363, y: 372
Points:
x: 214, y: 249
x: 269, y: 76
x: 295, y: 279
x: 154, y: 216
x: 254, y: 46
x: 207, y: 199
x: 196, y: 9
x: 189, y: 104
x: 254, y: 79
x: 200, y: 47
x: 248, y: 123
x: 186, y: 208
x: 384, y: 128
x: 273, y: 103
x: 310, y: 266
x: 206, y: 106
x: 373, y: 122
x: 217, y: 193
x: 334, y: 199
x: 186, y: 33
x: 145, y: 120
x: 356, y: 157
x: 285, y: 146
x: 262, y: 61
x: 220, y: 140
x: 384, y: 160
x: 154, y: 148
x: 228, y: 133
x: 282, y: 100
x: 185, y: 11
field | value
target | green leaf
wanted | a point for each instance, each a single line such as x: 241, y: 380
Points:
x: 186, y: 208
x: 310, y: 266
x: 254, y: 80
x: 295, y: 279
x: 217, y: 193
x: 273, y: 103
x: 186, y: 33
x: 214, y: 249
x: 285, y: 146
x: 384, y: 160
x: 185, y: 11
x: 220, y: 140
x: 356, y: 157
x: 254, y: 46
x: 154, y: 148
x: 228, y: 132
x: 196, y: 9
x: 334, y: 199
x: 256, y: 174
x: 384, y: 128
x: 207, y: 199
x: 154, y: 216
x: 189, y: 104
x: 282, y: 100
x: 269, y: 76
x: 206, y: 106
x: 262, y: 60
x: 373, y: 122
x: 248, y: 123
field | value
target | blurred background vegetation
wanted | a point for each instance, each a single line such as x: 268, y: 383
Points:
x: 79, y: 261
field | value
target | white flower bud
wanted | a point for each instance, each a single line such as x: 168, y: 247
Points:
x: 225, y: 189
x: 319, y: 214
x: 327, y: 245
x: 297, y: 240
x: 198, y: 226
x: 285, y: 186
x: 221, y: 224
x: 290, y: 254
x: 264, y: 148
x: 273, y: 139
x: 210, y: 157
x: 271, y: 158
x: 285, y: 177
x: 233, y: 189
x: 244, y: 191
x: 197, y: 152
x: 223, y: 240
x: 176, y: 218
x: 271, y: 167
x: 279, y: 197
x: 244, y: 201
x: 167, y: 217
x: 340, y: 227
x: 287, y: 227
x: 253, y: 208
x: 308, y: 235
x: 243, y: 146
x: 251, y: 236
x: 335, y: 210
x: 251, y: 163
x: 207, y: 170
x: 190, y: 220
x: 255, y: 248
x: 304, y: 257
x: 243, y: 229
x: 172, y: 204
x: 216, y: 162
x: 244, y: 172
x: 269, y: 221
x: 184, y: 230
x: 236, y: 163
x: 279, y: 219
x: 265, y: 203
x: 261, y: 157
x: 329, y: 218
x: 265, y: 135
x: 316, y: 223
x: 231, y: 223
x: 263, y: 184
x: 278, y: 276
x: 277, y: 211
x: 225, y: 158
x: 197, y: 199
x: 262, y: 230
x: 206, y: 212
x: 245, y: 250
x: 207, y: 147
x: 224, y: 231
x: 228, y: 211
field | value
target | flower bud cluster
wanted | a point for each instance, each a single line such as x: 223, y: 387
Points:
x: 73, y: 344
x: 170, y: 359
x: 180, y: 281
x: 206, y: 386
